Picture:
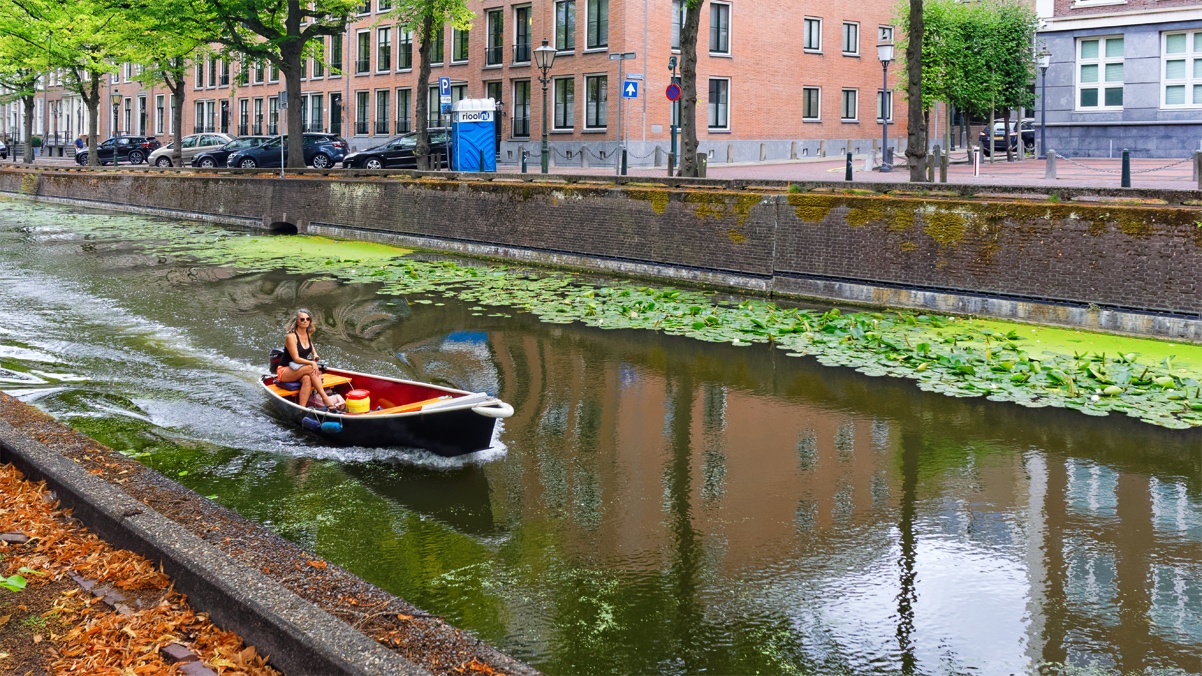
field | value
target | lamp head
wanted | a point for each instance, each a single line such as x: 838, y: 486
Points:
x: 544, y: 56
x: 1044, y: 57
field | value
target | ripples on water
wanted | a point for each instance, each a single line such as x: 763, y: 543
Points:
x: 656, y: 504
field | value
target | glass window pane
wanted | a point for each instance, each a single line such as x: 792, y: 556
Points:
x: 1174, y: 70
x: 1174, y: 44
x: 1197, y: 94
x: 1198, y: 42
x: 1114, y: 96
x: 1089, y: 49
x: 1174, y: 95
x: 1198, y: 66
x: 1089, y: 98
x: 1089, y: 73
x: 1114, y: 47
x: 1114, y: 72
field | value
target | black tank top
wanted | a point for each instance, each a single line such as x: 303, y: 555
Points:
x: 302, y: 351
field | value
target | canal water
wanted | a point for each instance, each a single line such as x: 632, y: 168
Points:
x: 656, y: 504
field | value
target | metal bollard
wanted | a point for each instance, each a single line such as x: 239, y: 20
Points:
x: 1126, y: 180
x: 671, y: 162
x: 943, y: 160
x: 1198, y: 168
x: 703, y: 161
x: 847, y: 171
x: 623, y: 161
x: 523, y: 160
x: 1049, y: 167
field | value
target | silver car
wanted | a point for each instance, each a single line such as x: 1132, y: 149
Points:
x: 191, y: 145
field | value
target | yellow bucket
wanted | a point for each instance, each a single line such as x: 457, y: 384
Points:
x: 358, y: 401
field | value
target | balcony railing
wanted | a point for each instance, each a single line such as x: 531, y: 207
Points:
x: 258, y: 129
x: 403, y: 126
x: 521, y: 127
x: 243, y: 129
x: 362, y: 65
x: 493, y: 56
x: 521, y: 52
x: 381, y: 127
x: 361, y: 127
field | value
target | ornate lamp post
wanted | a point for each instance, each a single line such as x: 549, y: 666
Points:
x: 1044, y: 59
x: 115, y: 100
x: 544, y: 58
x: 884, y: 52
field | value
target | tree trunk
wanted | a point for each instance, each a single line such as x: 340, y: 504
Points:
x: 91, y: 99
x: 291, y: 56
x: 916, y: 142
x: 28, y: 155
x: 175, y: 84
x: 1006, y: 133
x: 688, y: 89
x: 422, y: 150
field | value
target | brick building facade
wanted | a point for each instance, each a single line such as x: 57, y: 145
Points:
x: 776, y: 79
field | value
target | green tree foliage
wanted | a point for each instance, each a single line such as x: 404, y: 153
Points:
x: 423, y: 18
x: 19, y: 76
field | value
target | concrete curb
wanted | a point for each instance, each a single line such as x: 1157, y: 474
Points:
x: 298, y: 637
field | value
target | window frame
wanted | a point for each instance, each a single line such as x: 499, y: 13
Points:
x: 886, y: 96
x: 805, y: 44
x: 855, y: 50
x: 494, y: 37
x: 678, y: 10
x: 817, y: 116
x: 383, y: 49
x: 569, y: 108
x: 404, y: 61
x: 565, y: 29
x: 383, y: 96
x: 1101, y: 61
x: 460, y: 38
x: 591, y: 108
x: 404, y: 104
x: 1193, y: 74
x: 599, y: 38
x: 513, y: 88
x: 362, y: 112
x: 520, y: 26
x: 716, y: 8
x: 360, y: 68
x: 336, y: 65
x: 159, y: 111
x: 855, y: 97
x: 723, y: 109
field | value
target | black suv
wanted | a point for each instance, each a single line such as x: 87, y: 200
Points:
x: 321, y: 150
x: 400, y: 152
x: 130, y: 149
x: 1026, y: 128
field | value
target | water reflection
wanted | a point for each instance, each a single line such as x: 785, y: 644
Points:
x: 663, y: 505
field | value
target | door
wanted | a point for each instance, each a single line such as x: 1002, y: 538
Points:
x: 225, y: 117
x: 336, y: 114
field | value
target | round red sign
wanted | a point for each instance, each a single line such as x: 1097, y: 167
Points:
x: 673, y: 92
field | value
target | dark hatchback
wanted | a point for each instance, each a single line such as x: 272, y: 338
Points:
x: 1026, y: 128
x: 131, y: 149
x: 399, y: 153
x: 321, y: 151
x: 216, y: 157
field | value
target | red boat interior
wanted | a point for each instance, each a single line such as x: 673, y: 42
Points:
x: 387, y: 396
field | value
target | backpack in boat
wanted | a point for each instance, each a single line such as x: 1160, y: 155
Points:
x: 275, y: 357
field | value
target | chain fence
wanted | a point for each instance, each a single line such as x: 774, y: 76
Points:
x: 1104, y: 170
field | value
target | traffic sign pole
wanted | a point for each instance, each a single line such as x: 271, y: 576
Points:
x: 621, y: 58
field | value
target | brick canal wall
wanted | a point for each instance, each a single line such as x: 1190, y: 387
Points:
x: 1084, y: 261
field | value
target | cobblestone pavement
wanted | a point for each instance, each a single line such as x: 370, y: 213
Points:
x: 1163, y: 173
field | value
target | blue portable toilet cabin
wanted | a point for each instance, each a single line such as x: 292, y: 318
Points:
x: 473, y: 135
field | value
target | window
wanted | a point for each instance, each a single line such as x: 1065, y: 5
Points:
x: 258, y: 72
x: 851, y: 39
x: 383, y: 97
x: 434, y: 116
x: 199, y: 125
x: 719, y: 28
x: 850, y: 110
x: 565, y: 103
x: 521, y: 108
x: 521, y: 34
x: 225, y: 73
x: 886, y: 98
x: 384, y: 48
x: 1100, y: 73
x: 200, y: 74
x: 596, y: 98
x: 384, y: 5
x: 678, y: 9
x: 142, y: 112
x: 719, y: 103
x: 565, y: 25
x: 1182, y: 69
x: 361, y: 103
x: 811, y: 104
x: 243, y: 117
x: 404, y: 60
x: 319, y: 62
x: 273, y: 73
x: 598, y: 24
x: 158, y: 114
x: 365, y: 8
x: 336, y: 114
x: 459, y: 45
x: 404, y: 108
x: 243, y: 71
x: 273, y: 115
x: 363, y: 57
x: 304, y: 67
x: 129, y: 113
x: 494, y: 51
x: 436, y: 46
x: 212, y: 71
x: 336, y: 54
x: 813, y: 35
x: 258, y: 121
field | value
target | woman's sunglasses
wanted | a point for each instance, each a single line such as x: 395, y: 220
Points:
x: 303, y: 319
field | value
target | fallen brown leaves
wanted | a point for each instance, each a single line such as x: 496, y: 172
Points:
x: 97, y: 639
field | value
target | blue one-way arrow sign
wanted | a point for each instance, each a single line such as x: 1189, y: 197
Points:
x: 630, y: 89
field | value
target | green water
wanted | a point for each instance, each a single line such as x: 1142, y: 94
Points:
x: 657, y: 504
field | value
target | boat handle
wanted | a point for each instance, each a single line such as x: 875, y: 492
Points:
x: 494, y: 409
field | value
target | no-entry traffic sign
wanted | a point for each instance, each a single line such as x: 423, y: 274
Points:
x: 673, y: 92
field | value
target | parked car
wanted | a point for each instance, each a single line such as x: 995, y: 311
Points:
x: 3, y: 151
x: 1025, y: 126
x: 131, y: 149
x: 216, y: 157
x: 400, y: 152
x: 189, y: 146
x: 321, y: 151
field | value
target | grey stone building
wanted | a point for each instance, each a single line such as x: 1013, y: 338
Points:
x: 1123, y: 74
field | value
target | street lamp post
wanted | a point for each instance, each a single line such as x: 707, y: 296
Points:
x: 115, y: 101
x: 884, y: 51
x: 1044, y: 58
x: 544, y: 58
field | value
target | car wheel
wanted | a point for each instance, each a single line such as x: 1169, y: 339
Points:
x: 208, y: 163
x: 373, y: 163
x: 81, y: 159
x: 322, y: 161
x: 247, y: 163
x: 163, y: 162
x: 136, y: 157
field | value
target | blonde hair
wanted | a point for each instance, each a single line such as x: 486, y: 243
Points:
x: 292, y: 323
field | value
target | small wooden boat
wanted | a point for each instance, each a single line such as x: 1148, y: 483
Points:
x: 443, y: 420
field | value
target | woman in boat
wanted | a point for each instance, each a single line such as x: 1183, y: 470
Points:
x: 302, y: 359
